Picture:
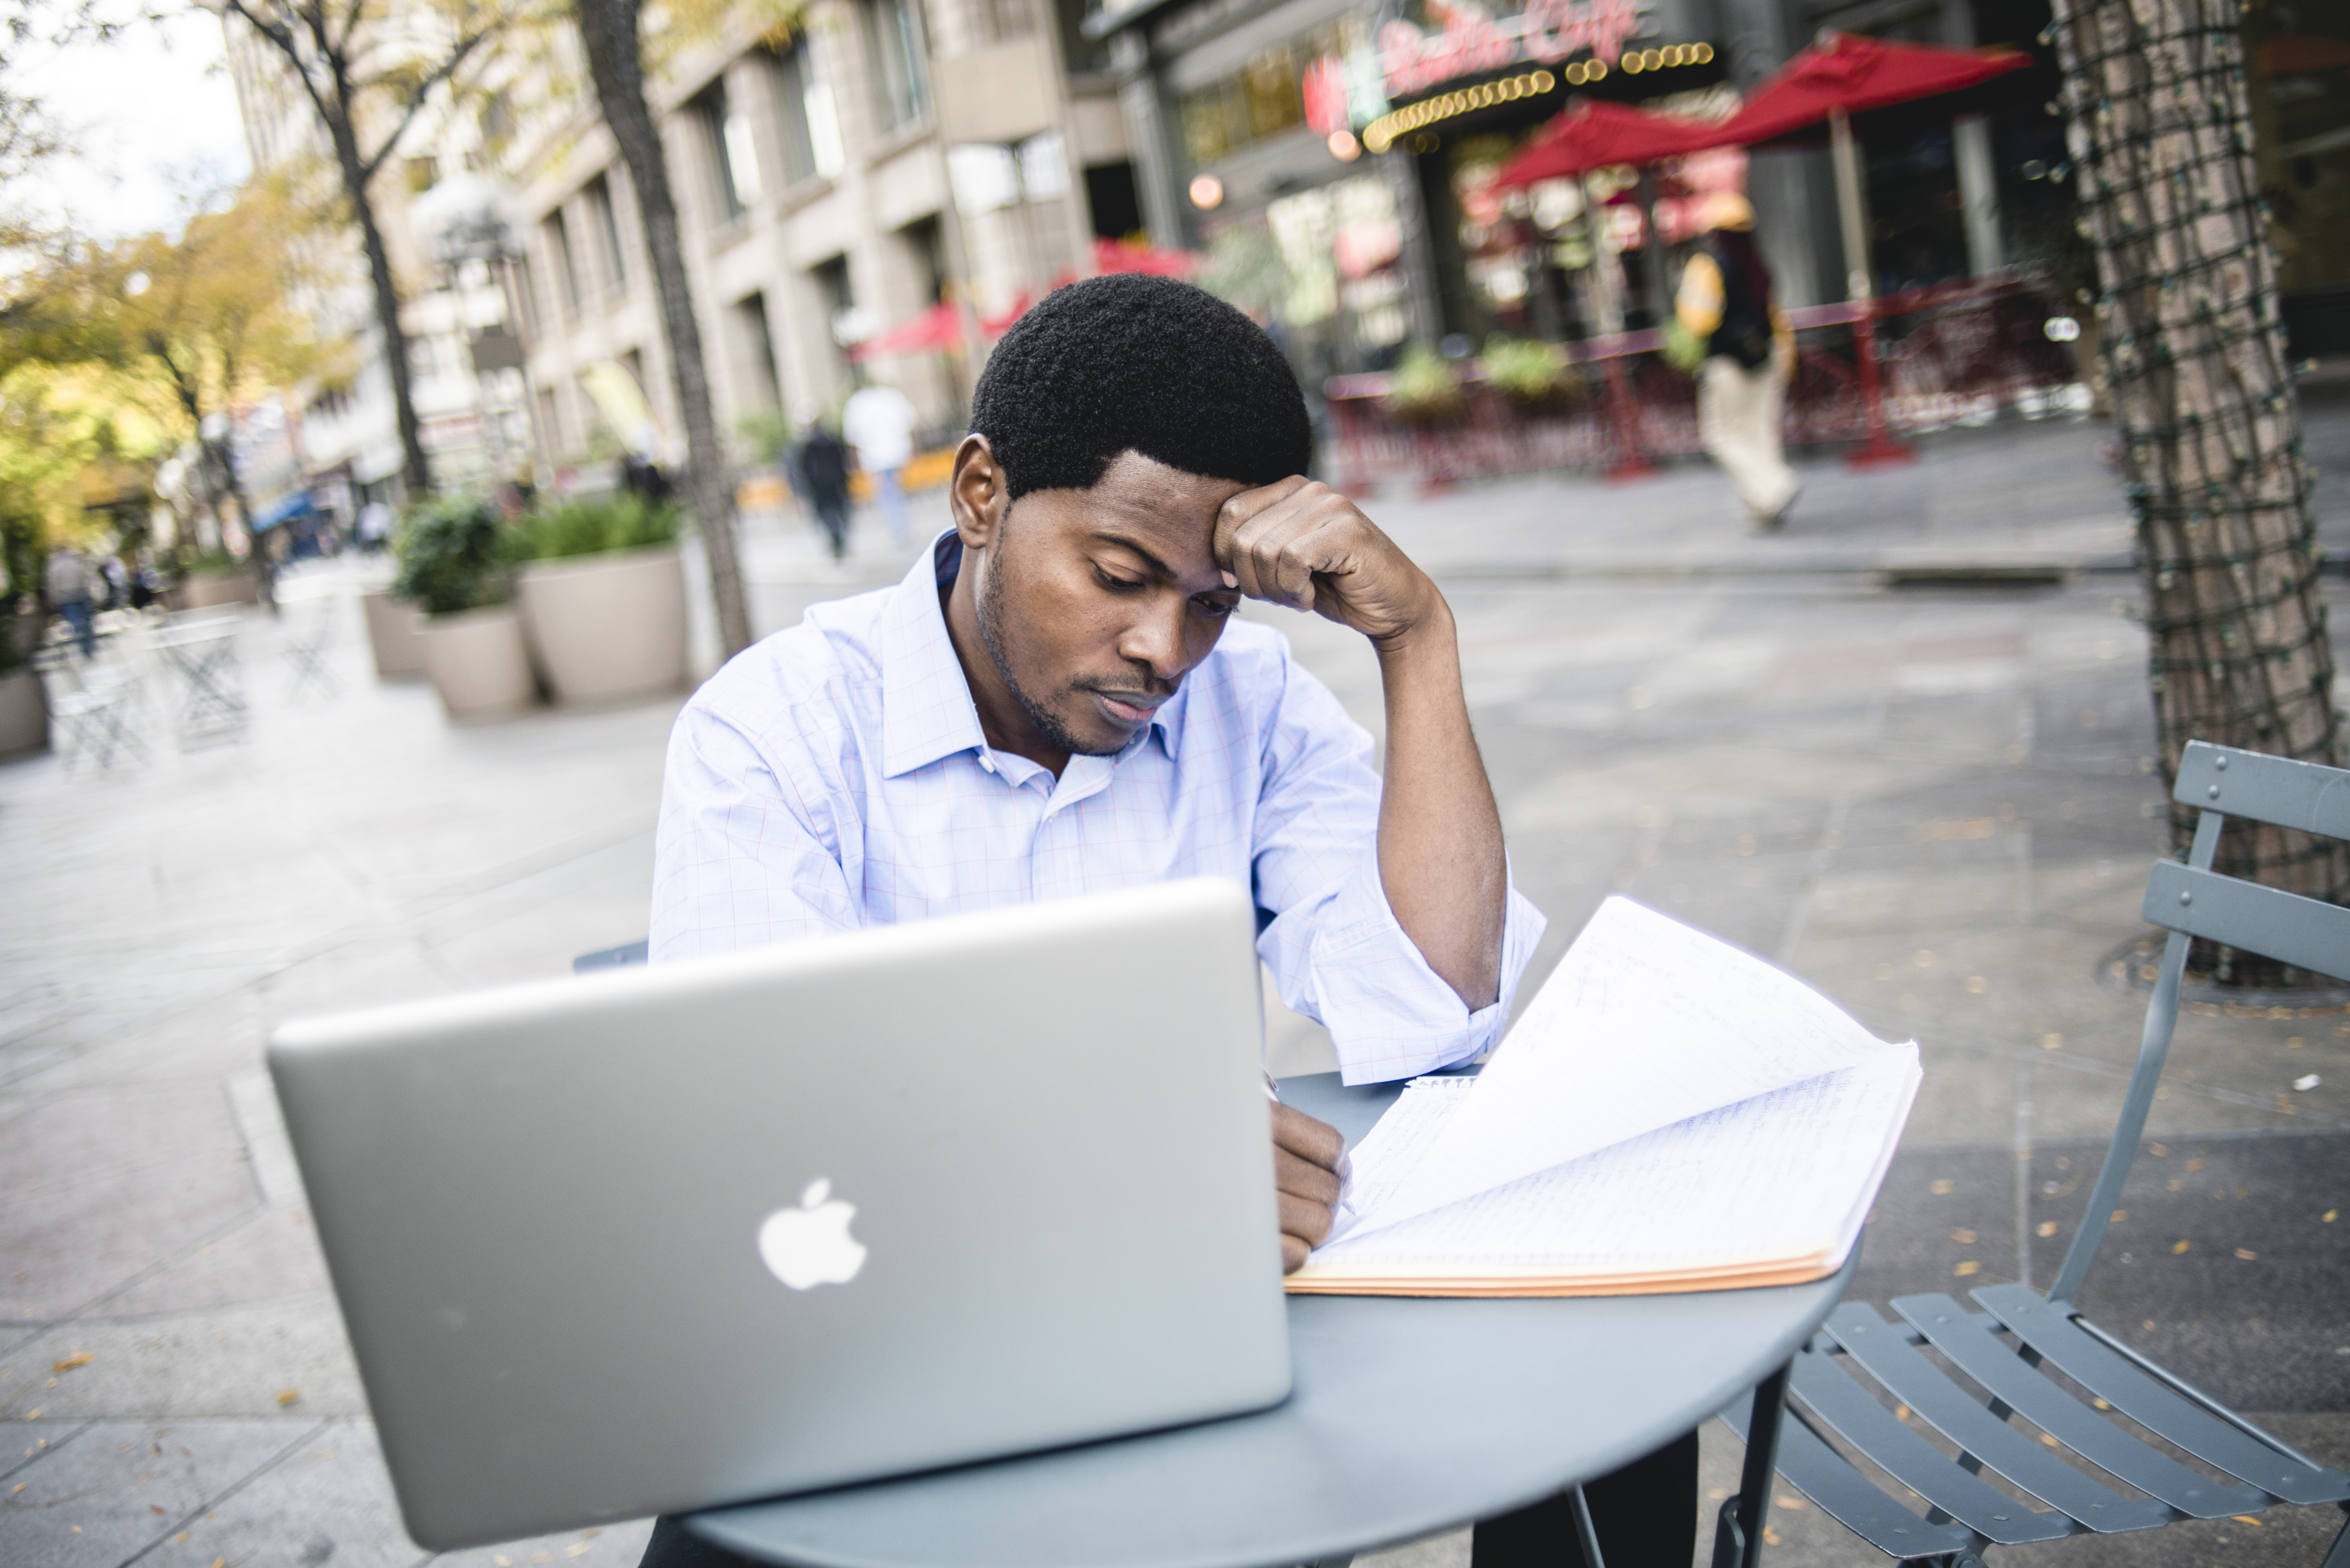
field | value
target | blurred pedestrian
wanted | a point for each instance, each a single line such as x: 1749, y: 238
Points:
x: 374, y: 526
x: 822, y: 464
x: 1725, y: 302
x: 880, y: 423
x: 67, y: 582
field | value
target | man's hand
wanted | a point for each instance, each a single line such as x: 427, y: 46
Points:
x: 1303, y: 545
x: 1306, y: 1155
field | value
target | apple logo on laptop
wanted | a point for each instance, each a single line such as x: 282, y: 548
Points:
x: 810, y: 1245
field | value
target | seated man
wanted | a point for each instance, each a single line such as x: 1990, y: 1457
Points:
x: 1058, y: 699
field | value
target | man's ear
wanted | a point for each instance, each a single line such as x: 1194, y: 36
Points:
x: 977, y: 494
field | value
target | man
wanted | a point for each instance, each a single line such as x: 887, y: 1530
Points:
x: 1725, y: 302
x: 67, y: 582
x: 1057, y: 699
x: 880, y: 423
x: 822, y: 465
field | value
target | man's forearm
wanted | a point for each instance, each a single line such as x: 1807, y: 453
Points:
x: 1440, y: 860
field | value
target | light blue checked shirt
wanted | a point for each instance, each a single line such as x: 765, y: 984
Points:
x: 834, y: 776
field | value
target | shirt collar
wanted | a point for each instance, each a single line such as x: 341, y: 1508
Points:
x: 926, y: 707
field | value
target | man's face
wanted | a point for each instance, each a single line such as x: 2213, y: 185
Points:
x: 1097, y: 603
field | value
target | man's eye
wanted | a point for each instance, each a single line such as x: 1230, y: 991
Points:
x: 1215, y: 607
x: 1115, y: 584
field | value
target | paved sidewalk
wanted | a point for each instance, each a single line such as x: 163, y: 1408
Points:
x: 1935, y: 805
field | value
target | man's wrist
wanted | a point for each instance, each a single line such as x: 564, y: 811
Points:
x: 1432, y: 627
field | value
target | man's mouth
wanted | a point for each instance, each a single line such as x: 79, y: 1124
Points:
x: 1128, y: 708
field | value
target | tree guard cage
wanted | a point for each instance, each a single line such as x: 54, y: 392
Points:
x: 2208, y: 427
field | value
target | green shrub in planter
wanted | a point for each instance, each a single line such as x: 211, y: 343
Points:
x: 454, y: 556
x: 590, y: 526
x: 1528, y: 373
x: 1424, y: 389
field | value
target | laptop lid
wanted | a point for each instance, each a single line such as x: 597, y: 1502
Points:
x: 662, y: 1237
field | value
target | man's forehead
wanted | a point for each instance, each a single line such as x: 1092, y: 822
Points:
x: 1165, y: 512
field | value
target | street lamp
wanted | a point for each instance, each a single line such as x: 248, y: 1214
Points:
x: 469, y: 218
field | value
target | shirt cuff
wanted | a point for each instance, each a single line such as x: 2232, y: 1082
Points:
x: 1388, y: 1014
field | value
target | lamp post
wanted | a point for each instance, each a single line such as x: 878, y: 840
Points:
x: 467, y: 218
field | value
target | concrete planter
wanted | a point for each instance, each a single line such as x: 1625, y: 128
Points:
x: 479, y: 664
x: 204, y: 590
x: 24, y: 714
x: 395, y: 636
x: 608, y: 628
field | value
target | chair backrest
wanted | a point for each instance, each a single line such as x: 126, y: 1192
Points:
x: 2193, y: 900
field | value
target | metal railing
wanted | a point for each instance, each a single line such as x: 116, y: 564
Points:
x: 1940, y: 354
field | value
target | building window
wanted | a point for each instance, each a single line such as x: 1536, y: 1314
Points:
x: 901, y: 85
x: 606, y: 222
x: 558, y: 231
x: 733, y: 160
x: 762, y: 383
x: 807, y: 128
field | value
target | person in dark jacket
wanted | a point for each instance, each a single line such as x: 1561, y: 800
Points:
x: 1725, y: 302
x: 822, y: 465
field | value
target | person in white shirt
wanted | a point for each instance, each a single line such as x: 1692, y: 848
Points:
x: 880, y: 423
x: 1059, y: 698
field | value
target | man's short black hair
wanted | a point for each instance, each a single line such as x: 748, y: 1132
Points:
x: 1133, y: 362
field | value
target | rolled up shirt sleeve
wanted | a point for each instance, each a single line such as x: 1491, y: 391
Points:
x: 739, y: 857
x: 1336, y: 953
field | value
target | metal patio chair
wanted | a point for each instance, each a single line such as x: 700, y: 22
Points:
x: 2005, y: 1346
x: 304, y: 649
x: 91, y: 704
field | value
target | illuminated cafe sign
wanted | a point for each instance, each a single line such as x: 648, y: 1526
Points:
x: 1472, y: 41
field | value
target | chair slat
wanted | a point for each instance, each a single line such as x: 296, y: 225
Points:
x: 2307, y: 932
x: 1976, y: 1351
x: 1886, y: 1354
x: 2307, y: 795
x: 2048, y: 1327
x: 1849, y: 1498
x: 1916, y: 1463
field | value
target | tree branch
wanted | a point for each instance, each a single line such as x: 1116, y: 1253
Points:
x: 447, y: 69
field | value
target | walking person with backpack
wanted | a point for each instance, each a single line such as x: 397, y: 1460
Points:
x: 1725, y: 304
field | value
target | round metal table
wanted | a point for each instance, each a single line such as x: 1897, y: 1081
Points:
x: 1408, y: 1416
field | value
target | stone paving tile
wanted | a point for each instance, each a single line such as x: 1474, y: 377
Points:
x: 611, y: 1547
x: 106, y: 1182
x: 209, y: 1362
x: 119, y: 1488
x: 275, y: 1254
x: 326, y: 1499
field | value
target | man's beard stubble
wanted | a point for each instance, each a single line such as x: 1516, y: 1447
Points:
x: 991, y: 636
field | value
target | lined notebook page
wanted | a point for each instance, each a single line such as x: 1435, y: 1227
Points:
x: 1774, y: 1177
x: 1644, y: 1022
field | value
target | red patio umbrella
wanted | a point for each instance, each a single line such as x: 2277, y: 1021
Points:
x: 1597, y: 134
x: 1848, y: 72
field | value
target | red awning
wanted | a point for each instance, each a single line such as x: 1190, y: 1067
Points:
x: 1856, y: 74
x: 1597, y: 134
x: 935, y: 330
x: 1116, y: 255
x: 1843, y: 70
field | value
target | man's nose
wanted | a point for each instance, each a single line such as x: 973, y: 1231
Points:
x: 1156, y: 639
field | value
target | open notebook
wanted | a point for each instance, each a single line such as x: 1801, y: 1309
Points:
x: 1671, y: 1114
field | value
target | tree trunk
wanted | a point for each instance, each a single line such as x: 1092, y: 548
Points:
x: 608, y: 30
x: 415, y: 469
x: 2204, y: 406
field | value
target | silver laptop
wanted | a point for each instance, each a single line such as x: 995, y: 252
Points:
x: 662, y: 1237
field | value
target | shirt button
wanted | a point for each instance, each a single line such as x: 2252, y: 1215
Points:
x: 987, y: 762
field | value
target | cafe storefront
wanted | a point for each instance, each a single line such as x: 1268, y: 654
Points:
x: 1335, y: 161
